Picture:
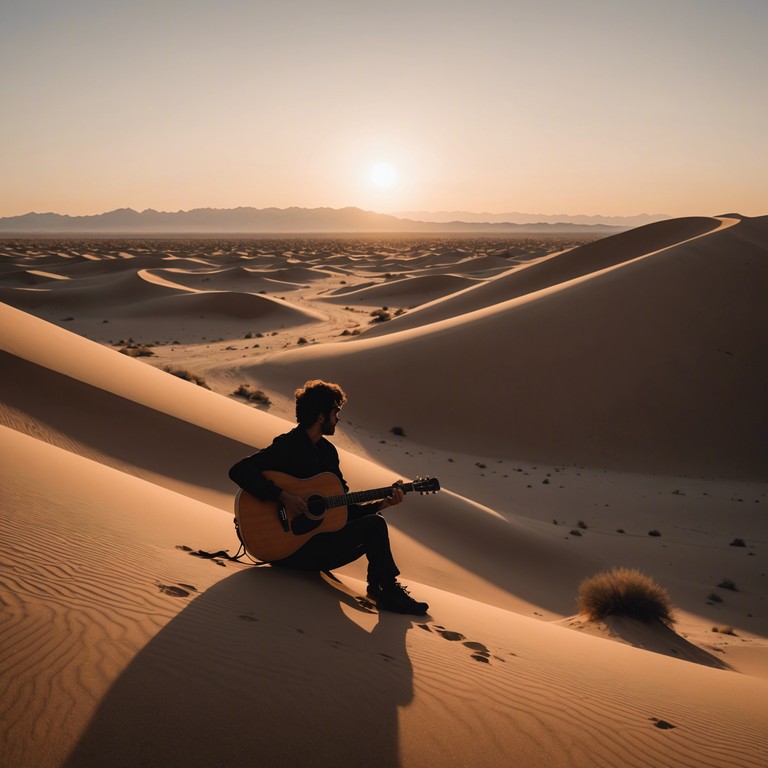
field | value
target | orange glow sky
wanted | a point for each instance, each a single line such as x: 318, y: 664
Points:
x: 591, y: 107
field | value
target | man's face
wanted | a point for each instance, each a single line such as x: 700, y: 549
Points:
x: 330, y: 421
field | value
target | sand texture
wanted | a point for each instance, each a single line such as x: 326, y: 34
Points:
x: 585, y: 405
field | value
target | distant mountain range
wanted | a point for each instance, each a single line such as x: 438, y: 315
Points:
x: 516, y: 217
x: 263, y: 221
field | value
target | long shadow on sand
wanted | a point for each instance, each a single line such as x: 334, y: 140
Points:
x: 656, y: 637
x: 266, y: 668
x: 650, y: 636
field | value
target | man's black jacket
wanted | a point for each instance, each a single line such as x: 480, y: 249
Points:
x: 295, y: 454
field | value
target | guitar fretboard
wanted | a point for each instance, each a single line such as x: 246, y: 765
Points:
x: 359, y: 497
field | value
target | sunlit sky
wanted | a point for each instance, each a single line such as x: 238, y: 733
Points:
x: 555, y: 106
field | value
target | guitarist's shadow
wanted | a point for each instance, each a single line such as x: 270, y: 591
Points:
x: 265, y: 668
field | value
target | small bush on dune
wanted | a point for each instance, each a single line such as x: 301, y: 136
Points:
x: 625, y: 592
x: 183, y: 373
x: 380, y: 315
x: 137, y: 350
x: 252, y: 395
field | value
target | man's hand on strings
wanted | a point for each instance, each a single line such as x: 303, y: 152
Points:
x: 395, y: 497
x: 293, y: 504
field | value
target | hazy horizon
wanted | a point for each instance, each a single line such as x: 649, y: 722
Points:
x: 597, y: 108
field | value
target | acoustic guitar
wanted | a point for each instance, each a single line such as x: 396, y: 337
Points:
x: 270, y: 532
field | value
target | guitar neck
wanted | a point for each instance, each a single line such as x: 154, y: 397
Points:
x: 360, y: 497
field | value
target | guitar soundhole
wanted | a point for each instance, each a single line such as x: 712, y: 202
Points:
x: 316, y: 505
x: 302, y: 524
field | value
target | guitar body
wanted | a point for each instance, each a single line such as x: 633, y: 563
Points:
x: 269, y: 532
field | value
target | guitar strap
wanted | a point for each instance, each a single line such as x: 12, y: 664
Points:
x: 223, y: 554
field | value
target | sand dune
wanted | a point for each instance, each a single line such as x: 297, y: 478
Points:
x: 26, y: 277
x: 654, y: 365
x: 239, y: 279
x: 556, y: 269
x: 142, y: 295
x: 89, y: 294
x: 178, y: 636
x: 101, y: 393
x: 480, y: 265
x: 242, y: 306
x: 296, y: 274
x: 91, y: 265
x: 414, y: 290
x: 120, y: 646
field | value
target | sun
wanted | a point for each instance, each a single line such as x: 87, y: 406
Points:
x: 383, y: 175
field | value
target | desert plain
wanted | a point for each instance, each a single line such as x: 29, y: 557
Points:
x: 585, y: 403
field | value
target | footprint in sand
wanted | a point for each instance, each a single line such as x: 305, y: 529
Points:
x: 174, y: 591
x: 480, y: 652
x: 448, y: 634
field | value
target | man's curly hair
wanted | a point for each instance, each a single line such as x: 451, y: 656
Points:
x: 317, y: 397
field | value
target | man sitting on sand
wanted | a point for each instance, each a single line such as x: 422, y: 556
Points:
x: 304, y: 452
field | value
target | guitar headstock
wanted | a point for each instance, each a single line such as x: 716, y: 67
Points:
x: 426, y: 485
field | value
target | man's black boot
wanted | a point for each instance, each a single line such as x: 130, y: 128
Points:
x: 394, y: 597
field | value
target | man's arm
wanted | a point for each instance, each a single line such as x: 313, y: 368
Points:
x: 247, y: 473
x: 373, y: 508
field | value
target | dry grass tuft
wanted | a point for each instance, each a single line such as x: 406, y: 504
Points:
x: 183, y: 373
x: 252, y: 395
x: 625, y: 592
x: 137, y: 350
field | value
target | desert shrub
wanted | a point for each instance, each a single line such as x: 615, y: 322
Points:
x: 136, y: 350
x: 715, y: 598
x: 183, y: 373
x: 654, y: 532
x: 624, y: 592
x: 302, y: 340
x: 728, y: 584
x: 380, y: 316
x: 399, y: 431
x: 581, y: 524
x: 738, y: 543
x: 252, y: 395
